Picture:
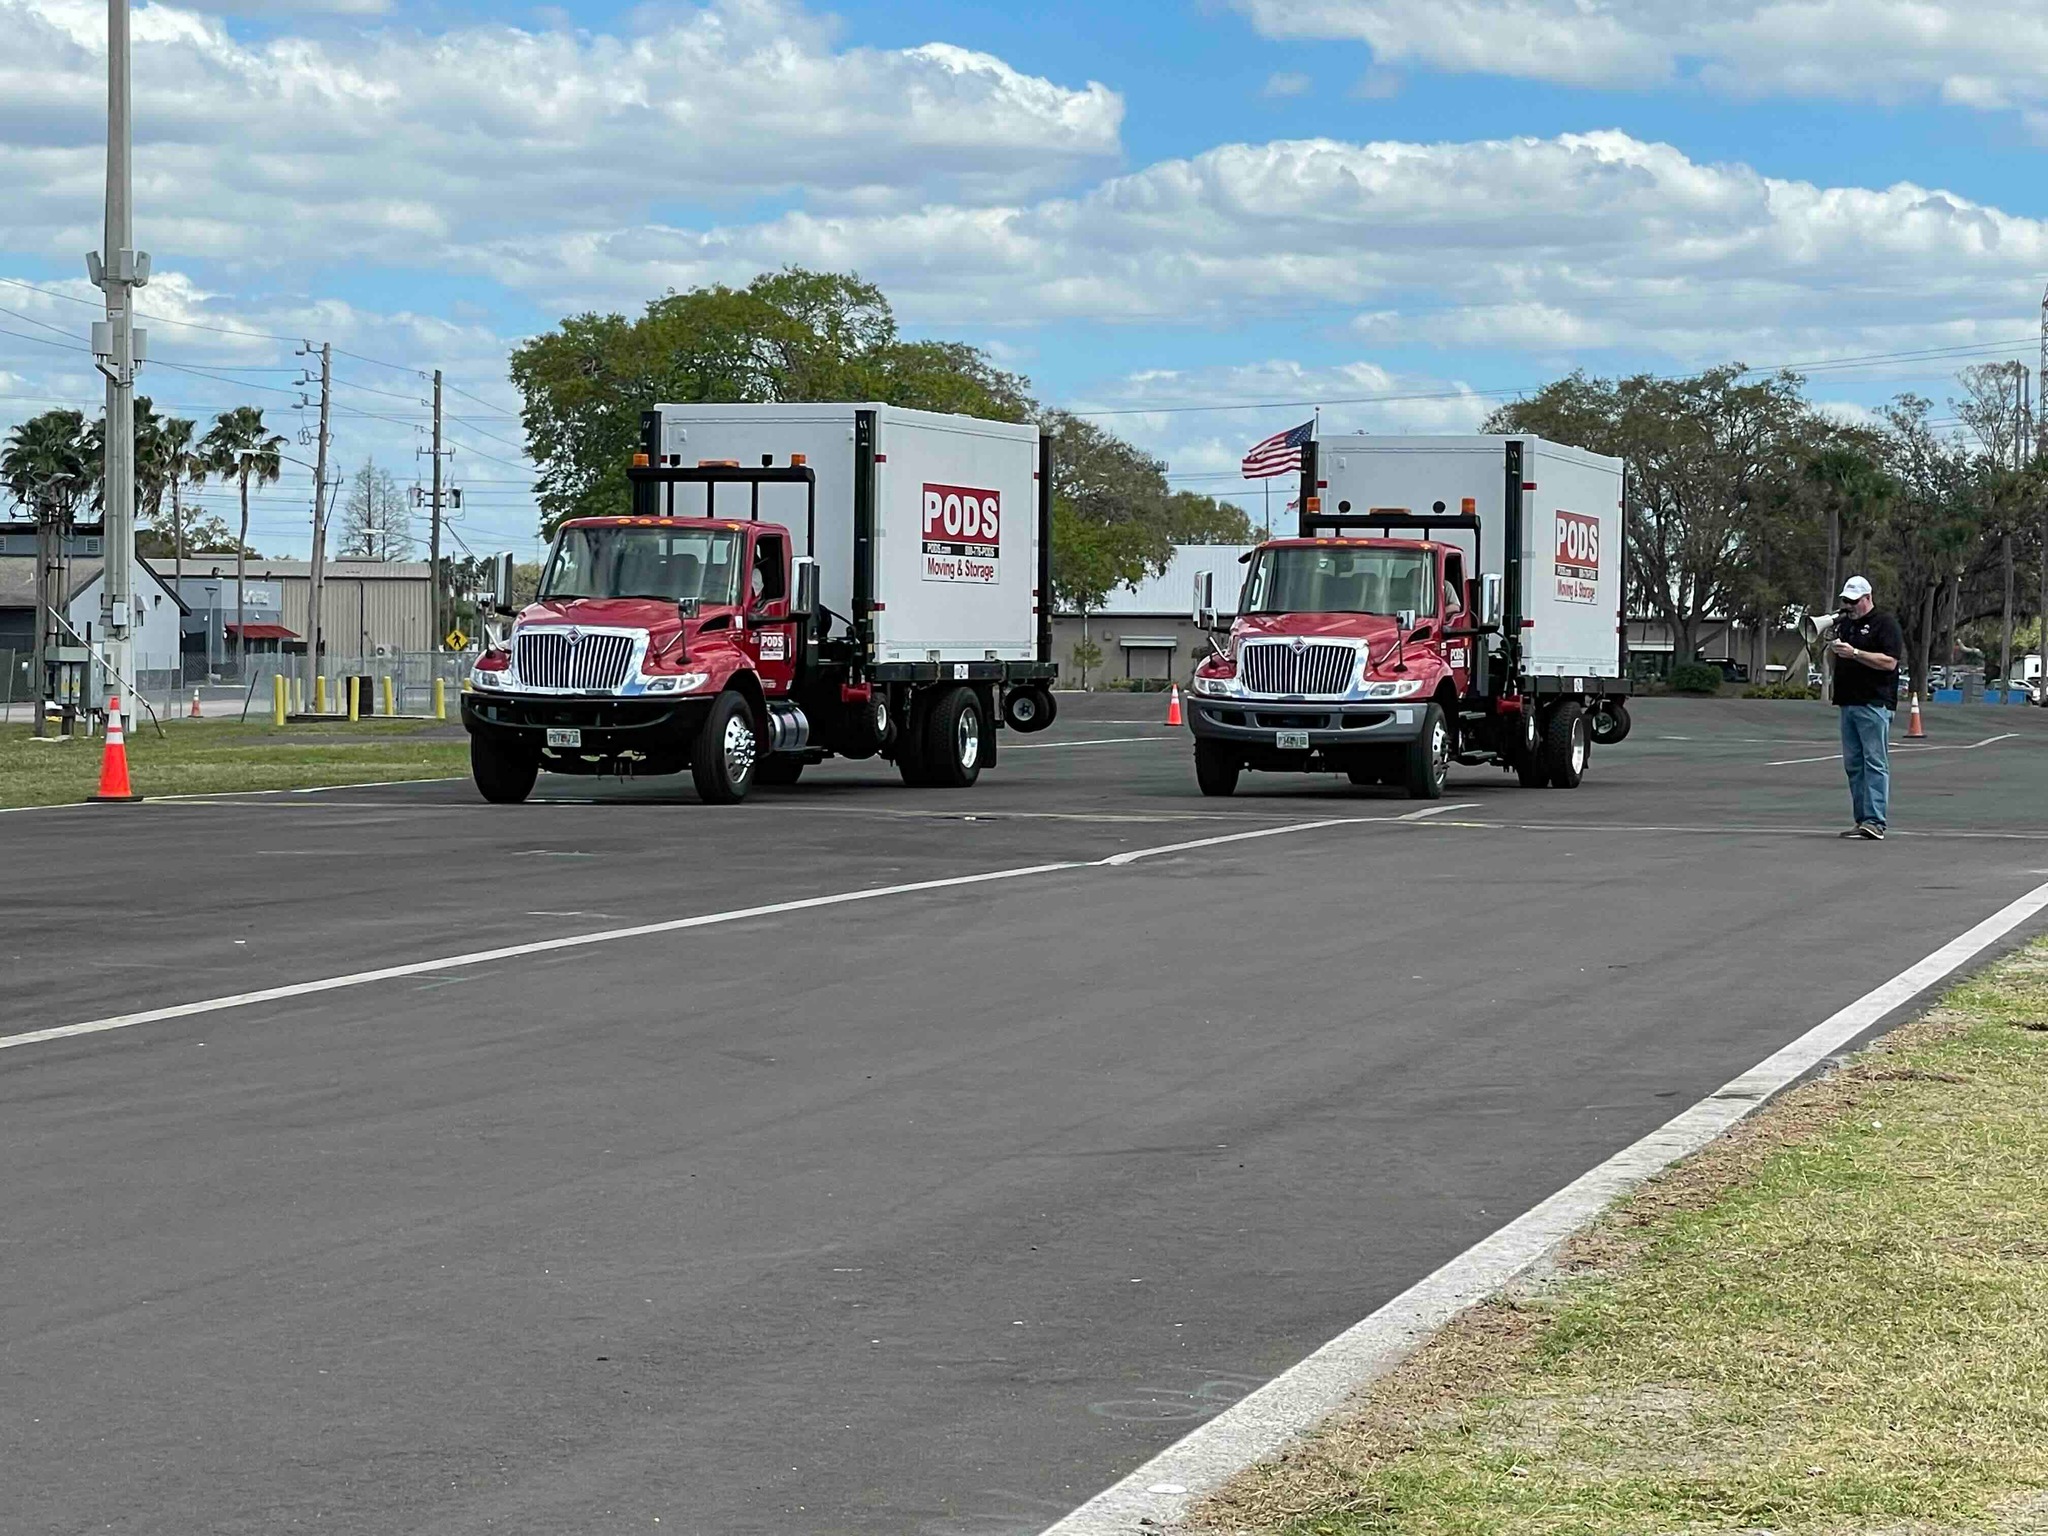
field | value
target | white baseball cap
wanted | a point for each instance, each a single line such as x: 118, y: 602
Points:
x: 1856, y: 589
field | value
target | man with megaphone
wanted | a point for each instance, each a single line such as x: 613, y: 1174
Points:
x: 1867, y: 647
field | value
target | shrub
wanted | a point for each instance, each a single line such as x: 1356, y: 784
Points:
x: 1781, y: 691
x: 1695, y: 677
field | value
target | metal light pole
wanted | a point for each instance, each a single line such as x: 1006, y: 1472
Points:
x: 118, y: 269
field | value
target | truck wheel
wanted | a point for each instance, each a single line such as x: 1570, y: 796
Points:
x: 1029, y: 709
x: 954, y: 735
x: 727, y: 753
x: 1566, y: 745
x: 1531, y: 768
x: 779, y: 770
x: 1429, y: 756
x: 1216, y: 768
x: 504, y: 774
x: 1609, y: 723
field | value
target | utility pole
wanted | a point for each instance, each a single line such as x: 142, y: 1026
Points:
x: 434, y: 629
x: 118, y: 269
x: 316, y: 571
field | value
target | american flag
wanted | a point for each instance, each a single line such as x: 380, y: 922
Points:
x: 1279, y: 454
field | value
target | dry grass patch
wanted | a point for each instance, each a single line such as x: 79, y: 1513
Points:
x: 1833, y: 1321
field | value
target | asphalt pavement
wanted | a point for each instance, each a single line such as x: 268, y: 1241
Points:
x: 851, y: 1200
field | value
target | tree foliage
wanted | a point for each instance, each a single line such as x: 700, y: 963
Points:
x: 789, y: 335
x: 376, y: 517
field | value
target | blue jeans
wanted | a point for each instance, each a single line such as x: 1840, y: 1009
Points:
x: 1866, y: 753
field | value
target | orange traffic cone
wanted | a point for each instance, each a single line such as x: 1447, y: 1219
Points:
x: 1173, y: 707
x: 114, y: 783
x: 194, y: 713
x: 1914, y: 729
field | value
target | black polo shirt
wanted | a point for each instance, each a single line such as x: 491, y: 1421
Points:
x: 1854, y: 682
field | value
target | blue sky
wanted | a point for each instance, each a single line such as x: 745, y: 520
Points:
x: 1393, y: 207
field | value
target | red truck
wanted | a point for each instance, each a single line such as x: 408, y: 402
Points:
x: 1448, y: 600
x: 792, y: 582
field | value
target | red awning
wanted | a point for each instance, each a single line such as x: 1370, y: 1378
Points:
x: 262, y: 631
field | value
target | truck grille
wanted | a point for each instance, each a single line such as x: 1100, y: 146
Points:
x: 590, y: 663
x: 1275, y: 666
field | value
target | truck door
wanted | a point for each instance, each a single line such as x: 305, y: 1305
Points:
x: 771, y: 632
x: 1457, y: 649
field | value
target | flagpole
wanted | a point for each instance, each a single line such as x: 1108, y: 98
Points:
x: 1268, y: 484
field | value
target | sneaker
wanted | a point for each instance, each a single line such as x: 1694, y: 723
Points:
x: 1852, y: 832
x: 1871, y: 830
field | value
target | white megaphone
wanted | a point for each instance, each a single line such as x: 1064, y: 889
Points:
x: 1815, y: 631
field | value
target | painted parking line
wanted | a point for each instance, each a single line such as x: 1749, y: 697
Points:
x: 1898, y: 751
x: 1162, y: 1491
x: 1093, y: 741
x: 639, y: 930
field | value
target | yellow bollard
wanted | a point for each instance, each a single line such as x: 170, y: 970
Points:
x: 440, y: 698
x: 354, y: 702
x: 298, y: 695
x: 277, y: 698
x: 320, y: 694
x: 389, y: 707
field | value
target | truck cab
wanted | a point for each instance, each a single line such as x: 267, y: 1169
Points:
x: 1347, y: 655
x: 641, y: 625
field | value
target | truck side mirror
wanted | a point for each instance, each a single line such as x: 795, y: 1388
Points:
x: 1490, y: 599
x: 804, y: 604
x: 1405, y: 619
x: 1205, y: 599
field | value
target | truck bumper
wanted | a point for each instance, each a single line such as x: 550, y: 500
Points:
x: 1332, y: 728
x: 654, y: 736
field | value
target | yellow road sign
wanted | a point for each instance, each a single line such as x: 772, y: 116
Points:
x: 456, y: 640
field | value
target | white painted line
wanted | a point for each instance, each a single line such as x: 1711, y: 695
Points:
x: 608, y: 935
x: 1438, y: 810
x: 1120, y: 860
x: 230, y: 796
x: 1095, y: 741
x: 506, y: 952
x: 1294, y: 1402
x: 1897, y: 751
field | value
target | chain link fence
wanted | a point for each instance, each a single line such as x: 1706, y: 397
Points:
x: 250, y: 689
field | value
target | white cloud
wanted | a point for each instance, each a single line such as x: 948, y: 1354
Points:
x: 1287, y: 83
x: 1985, y: 54
x: 1547, y: 246
x: 407, y: 148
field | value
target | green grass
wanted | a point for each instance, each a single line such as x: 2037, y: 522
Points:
x: 207, y: 756
x: 1833, y: 1321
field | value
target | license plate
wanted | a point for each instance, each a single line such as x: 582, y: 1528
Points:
x: 558, y: 736
x: 1290, y: 741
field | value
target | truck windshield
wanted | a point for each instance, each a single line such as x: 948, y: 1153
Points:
x: 673, y: 564
x: 1336, y: 579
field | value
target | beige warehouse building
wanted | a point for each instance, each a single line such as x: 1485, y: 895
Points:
x: 370, y: 607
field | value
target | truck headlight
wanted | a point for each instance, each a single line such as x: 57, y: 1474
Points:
x: 682, y: 682
x: 1400, y: 688
x: 1215, y: 685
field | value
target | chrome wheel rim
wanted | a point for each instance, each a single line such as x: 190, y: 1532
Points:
x: 1579, y: 747
x: 967, y: 740
x: 1440, y: 751
x: 739, y: 747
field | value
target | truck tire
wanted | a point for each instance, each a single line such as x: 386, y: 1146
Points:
x: 1531, y: 768
x: 1216, y: 768
x: 1429, y: 756
x: 504, y: 774
x: 1029, y: 709
x: 780, y: 771
x: 1609, y: 723
x: 1567, y: 743
x: 955, y: 737
x: 727, y: 754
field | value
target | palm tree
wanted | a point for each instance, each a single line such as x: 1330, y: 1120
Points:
x: 47, y: 465
x: 239, y: 447
x: 166, y: 460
